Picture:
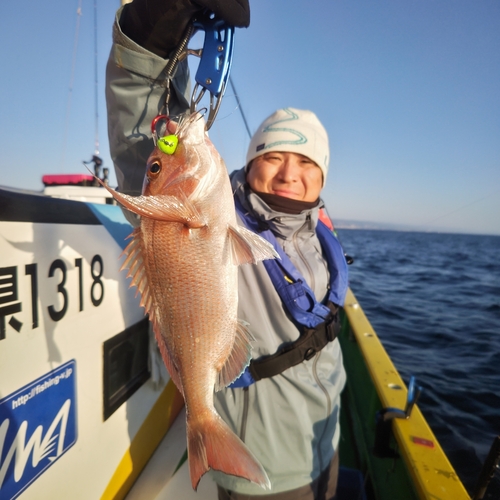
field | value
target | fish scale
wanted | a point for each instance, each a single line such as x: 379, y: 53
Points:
x: 184, y: 259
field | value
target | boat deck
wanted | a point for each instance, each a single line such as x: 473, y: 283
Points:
x: 160, y: 481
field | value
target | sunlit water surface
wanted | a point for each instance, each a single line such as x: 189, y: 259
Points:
x: 434, y: 301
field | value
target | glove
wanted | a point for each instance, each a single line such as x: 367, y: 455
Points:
x: 235, y: 12
x: 158, y: 25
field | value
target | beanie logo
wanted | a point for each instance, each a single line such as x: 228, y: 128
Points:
x: 260, y: 147
x: 300, y: 138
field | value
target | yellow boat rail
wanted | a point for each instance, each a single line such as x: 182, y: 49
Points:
x: 430, y: 470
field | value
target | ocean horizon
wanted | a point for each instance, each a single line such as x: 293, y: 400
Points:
x: 388, y: 226
x: 434, y: 301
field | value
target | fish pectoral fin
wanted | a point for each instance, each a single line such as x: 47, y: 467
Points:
x: 248, y: 247
x: 163, y: 208
x: 160, y: 207
x: 239, y: 359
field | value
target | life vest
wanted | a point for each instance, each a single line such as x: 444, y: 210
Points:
x: 317, y: 322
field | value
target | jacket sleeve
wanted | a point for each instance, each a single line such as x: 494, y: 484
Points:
x: 135, y: 93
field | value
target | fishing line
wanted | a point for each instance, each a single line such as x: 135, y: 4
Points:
x: 71, y: 82
x: 228, y: 114
x: 240, y: 107
x: 462, y: 207
x: 216, y: 130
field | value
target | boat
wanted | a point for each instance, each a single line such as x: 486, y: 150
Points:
x: 82, y: 413
x: 74, y: 376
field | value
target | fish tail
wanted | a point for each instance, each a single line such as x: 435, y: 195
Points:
x: 212, y: 445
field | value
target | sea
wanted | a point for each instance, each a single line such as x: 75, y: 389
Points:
x: 434, y: 301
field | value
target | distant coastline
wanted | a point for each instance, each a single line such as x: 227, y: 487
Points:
x: 387, y: 226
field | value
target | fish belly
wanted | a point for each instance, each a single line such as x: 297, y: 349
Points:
x: 196, y: 298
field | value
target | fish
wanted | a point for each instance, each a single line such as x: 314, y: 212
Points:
x: 183, y: 259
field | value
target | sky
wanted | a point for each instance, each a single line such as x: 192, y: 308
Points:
x: 409, y: 92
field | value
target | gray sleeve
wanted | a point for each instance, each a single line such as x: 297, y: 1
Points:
x: 135, y: 93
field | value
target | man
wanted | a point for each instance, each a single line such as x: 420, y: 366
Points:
x: 285, y: 407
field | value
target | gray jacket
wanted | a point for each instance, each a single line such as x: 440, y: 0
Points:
x: 290, y: 421
x: 134, y: 96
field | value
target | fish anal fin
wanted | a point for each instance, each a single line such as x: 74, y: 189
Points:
x: 169, y: 364
x: 212, y: 445
x: 238, y: 359
x: 248, y: 247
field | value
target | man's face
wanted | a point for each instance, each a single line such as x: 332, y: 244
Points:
x: 290, y: 175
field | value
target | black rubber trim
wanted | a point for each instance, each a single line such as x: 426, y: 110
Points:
x: 19, y: 206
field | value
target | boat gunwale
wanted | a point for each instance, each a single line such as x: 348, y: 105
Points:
x: 432, y: 473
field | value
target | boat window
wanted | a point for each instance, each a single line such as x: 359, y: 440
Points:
x: 125, y: 366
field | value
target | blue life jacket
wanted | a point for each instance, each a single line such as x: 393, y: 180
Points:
x: 314, y: 319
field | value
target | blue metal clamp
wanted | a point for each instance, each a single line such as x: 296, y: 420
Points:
x: 215, y: 63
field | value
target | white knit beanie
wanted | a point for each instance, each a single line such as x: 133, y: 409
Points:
x: 293, y: 131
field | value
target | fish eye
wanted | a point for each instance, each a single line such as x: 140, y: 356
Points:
x: 155, y: 168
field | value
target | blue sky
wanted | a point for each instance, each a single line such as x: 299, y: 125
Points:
x: 407, y: 90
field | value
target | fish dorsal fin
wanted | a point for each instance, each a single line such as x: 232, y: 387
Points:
x: 248, y: 247
x: 239, y: 358
x: 134, y: 262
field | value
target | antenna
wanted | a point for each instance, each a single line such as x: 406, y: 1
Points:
x: 96, y: 83
x: 71, y: 81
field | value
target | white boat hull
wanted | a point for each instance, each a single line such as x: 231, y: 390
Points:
x: 75, y: 386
